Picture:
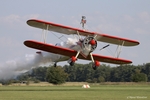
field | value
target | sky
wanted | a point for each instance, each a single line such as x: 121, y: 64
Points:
x: 122, y: 18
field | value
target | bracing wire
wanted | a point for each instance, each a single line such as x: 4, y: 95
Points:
x: 108, y: 49
x: 58, y: 36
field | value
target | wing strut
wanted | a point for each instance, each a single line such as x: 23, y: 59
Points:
x: 44, y: 33
x: 119, y: 49
x: 80, y: 38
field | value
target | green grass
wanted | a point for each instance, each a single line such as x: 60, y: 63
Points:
x: 96, y: 92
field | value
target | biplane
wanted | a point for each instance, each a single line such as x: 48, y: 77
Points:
x: 82, y: 48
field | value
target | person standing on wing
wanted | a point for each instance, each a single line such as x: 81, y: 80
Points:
x: 83, y: 21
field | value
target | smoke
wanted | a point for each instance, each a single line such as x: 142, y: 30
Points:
x: 12, y: 68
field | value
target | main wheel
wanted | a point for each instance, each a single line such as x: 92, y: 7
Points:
x: 72, y: 60
x: 55, y: 64
x: 94, y: 67
x: 71, y: 63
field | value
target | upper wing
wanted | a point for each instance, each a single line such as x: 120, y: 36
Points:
x: 70, y: 53
x: 69, y: 30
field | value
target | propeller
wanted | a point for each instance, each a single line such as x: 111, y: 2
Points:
x: 105, y: 47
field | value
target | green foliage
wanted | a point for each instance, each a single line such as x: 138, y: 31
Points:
x: 139, y: 77
x: 28, y: 82
x: 105, y: 73
x: 39, y: 73
x: 84, y: 73
x: 101, y: 79
x: 56, y: 75
x: 122, y: 73
x: 23, y: 77
x: 36, y: 81
x: 146, y: 69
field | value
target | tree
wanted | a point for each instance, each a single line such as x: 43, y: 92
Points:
x: 39, y: 73
x: 122, y: 73
x: 139, y: 77
x: 146, y: 70
x: 84, y: 72
x: 101, y: 79
x: 56, y: 75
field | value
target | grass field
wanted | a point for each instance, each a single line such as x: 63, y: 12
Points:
x: 96, y: 92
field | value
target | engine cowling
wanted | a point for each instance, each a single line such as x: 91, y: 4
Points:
x: 89, y: 43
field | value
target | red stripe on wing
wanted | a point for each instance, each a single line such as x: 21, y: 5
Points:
x: 50, y: 48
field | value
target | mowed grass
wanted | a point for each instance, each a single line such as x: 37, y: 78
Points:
x: 96, y: 92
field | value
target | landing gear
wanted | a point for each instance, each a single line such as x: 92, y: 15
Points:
x: 55, y: 64
x: 95, y: 65
x: 71, y: 63
x: 72, y: 60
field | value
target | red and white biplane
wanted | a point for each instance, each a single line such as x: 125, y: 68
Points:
x: 82, y: 48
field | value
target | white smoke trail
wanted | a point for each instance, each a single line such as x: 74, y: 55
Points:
x: 12, y: 68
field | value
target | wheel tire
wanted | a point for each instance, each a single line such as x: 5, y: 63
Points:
x: 71, y: 63
x: 55, y: 65
x: 94, y: 67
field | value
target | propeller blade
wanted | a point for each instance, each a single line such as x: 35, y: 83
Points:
x: 104, y: 47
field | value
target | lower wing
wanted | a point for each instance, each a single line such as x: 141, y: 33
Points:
x: 68, y: 52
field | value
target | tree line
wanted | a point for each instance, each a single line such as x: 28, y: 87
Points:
x: 84, y: 73
x: 105, y: 73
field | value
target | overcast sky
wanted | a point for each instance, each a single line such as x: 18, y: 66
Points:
x: 122, y: 18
